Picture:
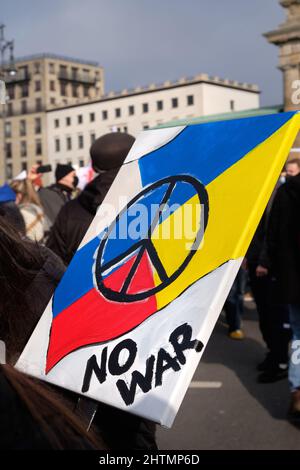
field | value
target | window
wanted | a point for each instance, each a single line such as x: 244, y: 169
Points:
x: 159, y: 105
x: 104, y: 115
x: 24, y: 107
x: 8, y: 150
x: 9, y: 170
x: 74, y: 73
x: 81, y: 163
x: 145, y: 107
x: 79, y: 119
x: 24, y: 90
x: 74, y: 90
x: 57, y: 145
x: 63, y: 71
x: 11, y: 92
x: 174, y: 102
x: 23, y: 148
x: 24, y: 71
x: 52, y: 85
x: 69, y: 143
x: 37, y: 85
x: 38, y: 125
x: 38, y: 104
x: 86, y: 90
x: 68, y: 121
x: 92, y: 117
x: 131, y: 110
x: 56, y: 123
x: 93, y: 138
x: 7, y: 129
x: 51, y: 67
x: 125, y: 129
x: 22, y: 127
x: 190, y: 100
x: 63, y: 89
x: 118, y: 112
x: 80, y: 141
x: 38, y: 147
x: 232, y: 105
x: 52, y: 101
x: 9, y: 109
x: 37, y: 67
x: 23, y: 166
x: 85, y: 74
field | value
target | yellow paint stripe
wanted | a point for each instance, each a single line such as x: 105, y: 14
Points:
x: 237, y: 199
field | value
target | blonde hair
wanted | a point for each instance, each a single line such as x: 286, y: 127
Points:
x: 26, y: 190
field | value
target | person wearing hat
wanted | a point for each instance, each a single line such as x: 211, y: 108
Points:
x: 120, y: 430
x: 107, y: 155
x: 54, y: 197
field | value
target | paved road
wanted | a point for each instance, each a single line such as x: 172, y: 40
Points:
x: 241, y: 414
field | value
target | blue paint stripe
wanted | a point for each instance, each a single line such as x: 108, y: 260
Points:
x: 207, y: 150
x: 78, y: 279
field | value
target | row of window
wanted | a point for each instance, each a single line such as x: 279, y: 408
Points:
x: 24, y: 89
x: 37, y: 69
x: 23, y: 148
x: 24, y: 166
x: 69, y: 141
x: 131, y: 111
x: 23, y: 127
x: 24, y: 107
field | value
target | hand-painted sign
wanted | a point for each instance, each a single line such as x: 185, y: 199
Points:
x: 129, y: 321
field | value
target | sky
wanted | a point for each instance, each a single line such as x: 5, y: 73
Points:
x: 139, y: 42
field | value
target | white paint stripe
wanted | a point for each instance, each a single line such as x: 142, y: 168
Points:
x: 205, y: 385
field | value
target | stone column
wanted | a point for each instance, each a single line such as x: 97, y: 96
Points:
x: 287, y: 38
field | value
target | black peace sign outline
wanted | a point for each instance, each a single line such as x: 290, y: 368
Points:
x: 146, y: 244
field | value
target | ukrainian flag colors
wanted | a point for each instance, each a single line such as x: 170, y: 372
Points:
x: 216, y: 179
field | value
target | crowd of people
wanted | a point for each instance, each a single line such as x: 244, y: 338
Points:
x: 41, y: 229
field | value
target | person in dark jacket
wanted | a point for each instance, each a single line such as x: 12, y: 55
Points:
x: 284, y: 249
x: 55, y: 196
x: 9, y: 208
x: 120, y: 430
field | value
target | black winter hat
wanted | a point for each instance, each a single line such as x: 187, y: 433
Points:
x: 110, y: 150
x: 62, y: 170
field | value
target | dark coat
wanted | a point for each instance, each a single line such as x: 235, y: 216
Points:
x: 18, y: 430
x: 76, y: 216
x: 284, y: 240
x: 36, y: 297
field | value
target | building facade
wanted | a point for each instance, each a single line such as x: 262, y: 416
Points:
x: 73, y: 128
x: 287, y: 38
x: 38, y: 84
